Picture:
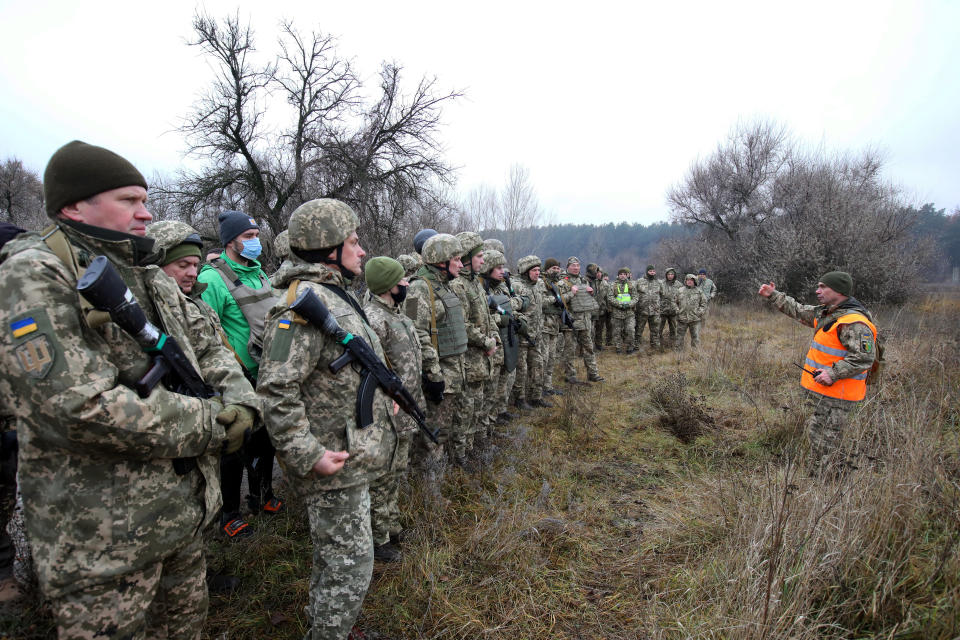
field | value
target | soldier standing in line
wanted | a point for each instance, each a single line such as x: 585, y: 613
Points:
x: 595, y: 279
x: 608, y: 319
x: 438, y: 315
x: 622, y: 298
x: 648, y: 308
x: 528, y: 387
x: 578, y: 296
x: 669, y: 304
x: 119, y: 554
x: 410, y: 264
x: 240, y: 293
x: 691, y: 305
x: 505, y: 308
x: 841, y: 355
x: 281, y: 246
x: 550, y: 337
x: 709, y: 289
x: 311, y: 412
x: 481, y: 344
x: 387, y: 287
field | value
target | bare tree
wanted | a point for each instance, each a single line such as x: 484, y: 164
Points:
x: 326, y: 142
x: 21, y: 196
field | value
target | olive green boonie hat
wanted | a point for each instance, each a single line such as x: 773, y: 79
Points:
x: 440, y: 248
x: 382, y: 274
x: 321, y: 224
x: 526, y: 263
x: 176, y: 240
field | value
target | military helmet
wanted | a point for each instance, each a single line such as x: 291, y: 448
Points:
x: 670, y: 270
x: 321, y: 224
x: 689, y: 276
x: 440, y: 248
x: 281, y: 245
x: 492, y: 243
x: 526, y: 263
x: 573, y: 260
x: 167, y: 234
x: 470, y: 241
x: 409, y: 263
x: 421, y: 239
x: 625, y: 270
x: 492, y: 259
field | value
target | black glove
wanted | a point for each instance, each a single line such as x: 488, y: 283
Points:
x: 433, y: 390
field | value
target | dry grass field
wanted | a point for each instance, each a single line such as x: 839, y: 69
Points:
x: 671, y: 501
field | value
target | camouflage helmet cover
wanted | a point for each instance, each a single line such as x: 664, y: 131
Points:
x: 492, y: 259
x: 321, y: 224
x: 470, y: 241
x: 625, y: 270
x: 409, y: 263
x: 526, y: 263
x: 281, y: 245
x: 167, y: 234
x: 493, y: 243
x: 689, y: 276
x: 440, y: 248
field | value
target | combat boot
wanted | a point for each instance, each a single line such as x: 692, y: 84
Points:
x: 594, y: 377
x: 540, y: 402
x: 387, y: 552
x: 523, y: 405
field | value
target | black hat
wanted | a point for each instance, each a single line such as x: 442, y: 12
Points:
x: 233, y: 223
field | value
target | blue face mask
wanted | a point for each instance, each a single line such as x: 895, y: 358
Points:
x: 251, y: 249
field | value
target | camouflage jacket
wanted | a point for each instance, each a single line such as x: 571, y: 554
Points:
x: 500, y: 288
x: 533, y: 315
x: 417, y: 307
x: 670, y: 297
x: 856, y: 337
x: 617, y: 308
x: 708, y: 287
x: 398, y: 337
x: 480, y: 326
x: 582, y: 318
x: 96, y: 473
x: 309, y: 409
x: 648, y: 296
x: 551, y: 314
x: 599, y: 293
x: 691, y: 304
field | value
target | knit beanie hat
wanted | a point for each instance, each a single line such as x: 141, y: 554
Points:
x: 78, y: 171
x: 592, y: 269
x: 382, y: 274
x: 233, y: 223
x: 839, y: 281
x: 625, y: 270
x: 650, y: 267
x: 573, y: 260
x: 550, y: 262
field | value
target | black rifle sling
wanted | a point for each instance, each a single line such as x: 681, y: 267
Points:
x: 346, y: 297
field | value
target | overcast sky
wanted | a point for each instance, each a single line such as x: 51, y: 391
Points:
x: 607, y: 103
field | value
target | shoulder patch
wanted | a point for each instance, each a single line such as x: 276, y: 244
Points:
x: 36, y: 356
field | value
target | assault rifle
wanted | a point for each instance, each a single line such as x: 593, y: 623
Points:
x: 565, y: 316
x: 103, y: 287
x: 375, y: 373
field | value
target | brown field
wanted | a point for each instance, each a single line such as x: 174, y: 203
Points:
x: 592, y: 520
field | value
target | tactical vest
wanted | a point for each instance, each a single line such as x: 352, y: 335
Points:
x: 826, y: 349
x: 254, y: 304
x: 449, y: 336
x: 623, y: 295
x: 583, y: 301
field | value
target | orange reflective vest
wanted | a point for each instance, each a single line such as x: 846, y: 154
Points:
x: 825, y: 349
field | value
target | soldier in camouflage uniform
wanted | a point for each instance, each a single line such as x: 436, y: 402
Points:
x: 410, y: 263
x: 709, y: 289
x: 503, y: 315
x: 842, y: 353
x: 438, y: 314
x: 550, y: 336
x: 528, y: 386
x: 579, y: 298
x: 116, y: 487
x: 691, y: 305
x: 311, y: 412
x: 595, y: 279
x: 482, y: 338
x: 387, y: 286
x: 621, y: 299
x: 669, y: 304
x: 647, y: 310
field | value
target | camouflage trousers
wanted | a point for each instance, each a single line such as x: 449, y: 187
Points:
x: 600, y: 330
x: 385, y: 493
x: 440, y: 419
x: 623, y: 328
x: 168, y: 599
x: 507, y: 379
x: 644, y: 319
x: 529, y: 379
x: 548, y: 355
x: 490, y: 408
x: 825, y: 424
x: 342, y: 559
x: 668, y: 320
x: 464, y: 420
x: 694, y: 328
x: 578, y: 338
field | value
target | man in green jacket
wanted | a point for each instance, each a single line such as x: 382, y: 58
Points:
x: 239, y: 292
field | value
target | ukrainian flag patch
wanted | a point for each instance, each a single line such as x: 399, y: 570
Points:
x: 284, y: 324
x: 23, y: 327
